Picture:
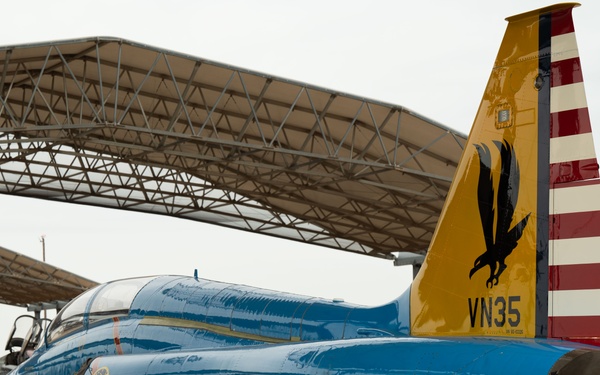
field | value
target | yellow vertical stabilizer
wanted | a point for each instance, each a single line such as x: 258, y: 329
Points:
x: 486, y: 272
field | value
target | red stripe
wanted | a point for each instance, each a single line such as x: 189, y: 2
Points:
x: 575, y: 225
x: 573, y: 171
x: 562, y: 22
x: 574, y: 326
x: 565, y: 72
x: 574, y: 277
x: 574, y: 121
x: 116, y: 339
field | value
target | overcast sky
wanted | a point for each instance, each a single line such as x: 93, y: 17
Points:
x: 433, y: 57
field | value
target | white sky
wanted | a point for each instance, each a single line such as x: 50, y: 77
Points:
x: 433, y: 57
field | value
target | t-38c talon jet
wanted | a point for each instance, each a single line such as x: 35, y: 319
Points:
x: 509, y: 284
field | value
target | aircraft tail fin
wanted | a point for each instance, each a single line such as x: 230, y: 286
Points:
x: 516, y: 249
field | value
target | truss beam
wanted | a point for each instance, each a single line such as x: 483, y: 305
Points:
x: 112, y: 123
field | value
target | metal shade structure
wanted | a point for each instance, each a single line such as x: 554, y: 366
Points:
x: 113, y: 123
x: 25, y: 281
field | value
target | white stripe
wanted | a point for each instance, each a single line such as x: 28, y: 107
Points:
x: 575, y: 199
x: 567, y: 97
x: 574, y: 302
x: 564, y: 47
x: 573, y: 147
x: 574, y: 251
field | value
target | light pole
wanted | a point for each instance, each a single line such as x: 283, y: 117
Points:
x: 43, y: 241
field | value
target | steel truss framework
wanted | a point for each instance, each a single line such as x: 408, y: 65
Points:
x: 25, y: 281
x: 112, y: 123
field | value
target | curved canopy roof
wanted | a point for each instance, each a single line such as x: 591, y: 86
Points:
x: 113, y: 123
x: 25, y: 281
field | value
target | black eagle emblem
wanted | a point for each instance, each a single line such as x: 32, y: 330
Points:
x: 498, y: 247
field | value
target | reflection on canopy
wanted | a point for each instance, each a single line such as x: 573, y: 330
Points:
x: 107, y: 301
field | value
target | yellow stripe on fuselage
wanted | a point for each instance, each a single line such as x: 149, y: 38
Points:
x: 220, y: 330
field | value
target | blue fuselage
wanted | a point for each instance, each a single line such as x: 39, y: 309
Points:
x: 173, y: 313
x: 169, y: 325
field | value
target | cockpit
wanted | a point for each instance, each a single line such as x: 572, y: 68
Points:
x: 103, y: 302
